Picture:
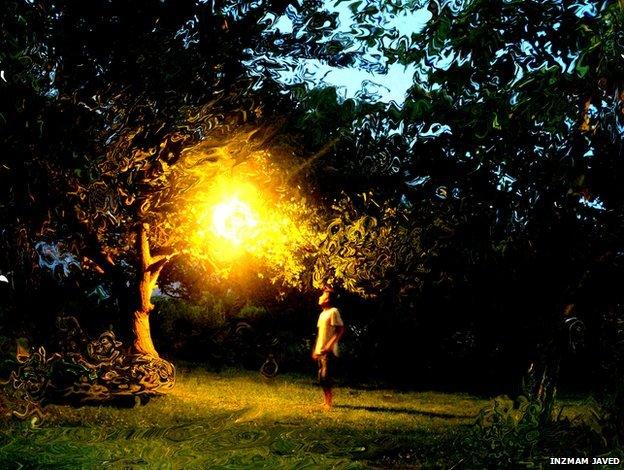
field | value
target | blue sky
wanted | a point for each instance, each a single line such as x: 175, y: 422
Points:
x: 370, y: 76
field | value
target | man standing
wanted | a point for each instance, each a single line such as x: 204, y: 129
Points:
x: 330, y: 330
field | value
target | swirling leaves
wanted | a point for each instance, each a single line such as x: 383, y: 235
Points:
x: 369, y: 254
x: 95, y: 371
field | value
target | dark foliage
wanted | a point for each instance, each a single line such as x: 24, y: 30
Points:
x: 481, y: 218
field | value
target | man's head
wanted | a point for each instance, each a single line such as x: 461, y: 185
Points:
x: 325, y: 300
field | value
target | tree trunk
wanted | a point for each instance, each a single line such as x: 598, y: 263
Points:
x: 543, y: 375
x: 141, y: 331
x: 147, y: 277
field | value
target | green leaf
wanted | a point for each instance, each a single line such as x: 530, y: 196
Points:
x: 495, y: 123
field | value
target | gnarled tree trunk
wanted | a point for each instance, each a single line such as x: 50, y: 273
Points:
x: 143, y: 373
x: 142, y: 337
x: 149, y: 269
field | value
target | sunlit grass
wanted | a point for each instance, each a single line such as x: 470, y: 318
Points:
x: 242, y: 420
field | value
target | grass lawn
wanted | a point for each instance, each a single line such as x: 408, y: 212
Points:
x: 241, y: 420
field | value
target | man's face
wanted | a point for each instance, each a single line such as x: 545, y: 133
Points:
x: 324, y: 298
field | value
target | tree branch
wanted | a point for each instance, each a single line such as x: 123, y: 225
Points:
x: 142, y: 243
x: 93, y: 265
x: 96, y: 255
x: 159, y: 262
x: 166, y: 252
x: 93, y: 252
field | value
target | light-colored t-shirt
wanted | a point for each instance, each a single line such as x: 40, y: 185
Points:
x: 328, y: 320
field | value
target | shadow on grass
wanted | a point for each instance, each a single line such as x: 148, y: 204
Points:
x: 410, y: 411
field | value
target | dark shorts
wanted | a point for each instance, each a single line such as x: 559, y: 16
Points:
x: 326, y: 364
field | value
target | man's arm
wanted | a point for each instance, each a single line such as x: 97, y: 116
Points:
x: 340, y: 329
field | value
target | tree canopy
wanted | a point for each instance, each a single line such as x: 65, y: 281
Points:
x: 473, y: 166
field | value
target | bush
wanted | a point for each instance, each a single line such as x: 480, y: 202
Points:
x: 251, y: 312
x: 216, y: 330
x: 177, y: 316
x: 509, y: 433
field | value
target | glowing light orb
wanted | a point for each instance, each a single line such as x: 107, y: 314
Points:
x: 233, y: 220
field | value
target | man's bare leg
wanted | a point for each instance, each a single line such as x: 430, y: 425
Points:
x: 327, y: 392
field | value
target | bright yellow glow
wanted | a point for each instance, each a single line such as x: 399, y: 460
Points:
x: 250, y: 221
x: 233, y: 220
